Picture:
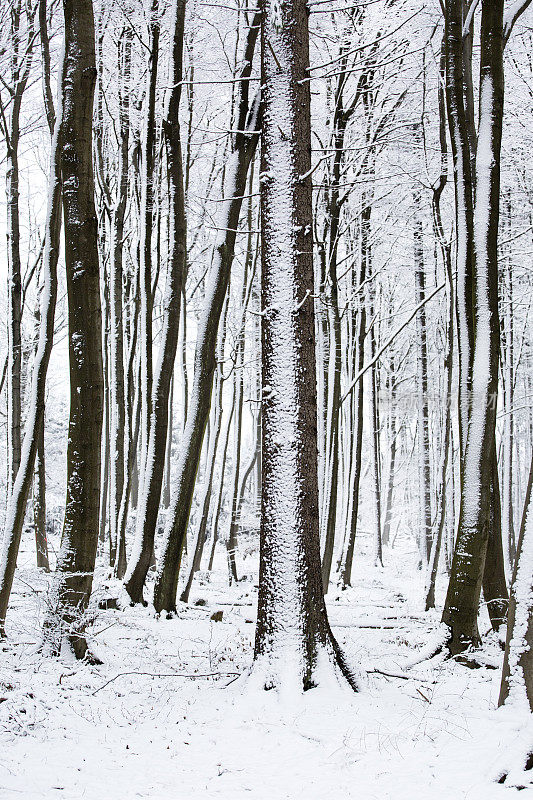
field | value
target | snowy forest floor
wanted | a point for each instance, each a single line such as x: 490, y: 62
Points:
x: 136, y: 727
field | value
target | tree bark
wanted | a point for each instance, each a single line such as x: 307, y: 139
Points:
x: 462, y: 600
x: 76, y: 560
x: 39, y: 504
x: 205, y: 501
x: 147, y: 219
x: 446, y: 252
x: 116, y: 332
x: 293, y: 636
x: 331, y: 463
x: 20, y: 62
x: 248, y: 278
x: 424, y: 468
x: 375, y: 448
x: 464, y: 207
x: 393, y: 434
x: 360, y: 323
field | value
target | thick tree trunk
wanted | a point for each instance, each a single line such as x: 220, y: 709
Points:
x: 80, y: 533
x: 462, y: 600
x: 293, y: 637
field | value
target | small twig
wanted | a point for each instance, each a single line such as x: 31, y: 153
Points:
x: 395, y: 674
x: 231, y: 681
x: 307, y: 294
x: 423, y: 695
x: 104, y: 629
x: 166, y: 675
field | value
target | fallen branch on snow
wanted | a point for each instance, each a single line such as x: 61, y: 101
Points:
x: 167, y: 675
x: 401, y: 675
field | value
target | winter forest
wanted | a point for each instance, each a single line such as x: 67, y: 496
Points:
x: 266, y: 399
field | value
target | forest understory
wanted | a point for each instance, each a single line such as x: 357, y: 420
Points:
x: 128, y: 728
x: 266, y: 402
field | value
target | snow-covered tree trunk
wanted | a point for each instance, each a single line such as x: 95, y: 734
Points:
x: 76, y: 559
x: 393, y: 390
x: 215, y: 518
x: 39, y: 475
x: 105, y: 528
x: 424, y: 467
x: 464, y: 205
x: 375, y: 437
x: 165, y: 498
x: 508, y: 374
x: 238, y: 392
x: 359, y: 324
x: 147, y: 222
x: 116, y: 327
x: 207, y: 491
x: 20, y: 59
x: 131, y: 436
x: 45, y: 59
x: 39, y: 503
x: 294, y: 646
x: 152, y: 481
x: 182, y: 359
x: 331, y: 471
x: 462, y: 600
x: 446, y: 253
x: 253, y: 465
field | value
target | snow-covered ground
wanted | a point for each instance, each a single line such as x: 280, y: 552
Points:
x: 146, y: 723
